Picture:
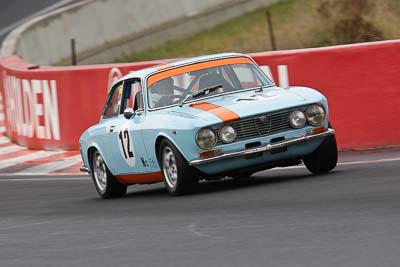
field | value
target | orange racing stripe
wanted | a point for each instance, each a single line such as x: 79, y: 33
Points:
x: 224, y: 114
x: 142, y: 178
x: 196, y: 66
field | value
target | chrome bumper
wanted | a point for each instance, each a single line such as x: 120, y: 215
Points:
x: 84, y: 169
x: 264, y: 148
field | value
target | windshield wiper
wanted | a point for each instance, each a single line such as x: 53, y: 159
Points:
x: 260, y: 88
x: 204, y: 91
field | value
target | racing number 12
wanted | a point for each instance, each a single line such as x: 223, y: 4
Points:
x: 126, y: 147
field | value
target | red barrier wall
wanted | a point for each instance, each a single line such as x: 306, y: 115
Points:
x: 361, y: 83
x: 49, y: 107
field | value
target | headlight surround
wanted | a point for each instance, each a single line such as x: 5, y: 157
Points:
x: 315, y: 115
x: 227, y: 134
x: 297, y: 119
x: 206, y: 138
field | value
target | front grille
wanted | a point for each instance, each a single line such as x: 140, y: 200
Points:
x: 262, y: 125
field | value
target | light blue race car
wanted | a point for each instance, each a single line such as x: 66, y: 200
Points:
x: 200, y: 119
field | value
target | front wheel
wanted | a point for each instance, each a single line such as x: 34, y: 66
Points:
x: 104, y: 181
x: 179, y: 177
x: 324, y: 158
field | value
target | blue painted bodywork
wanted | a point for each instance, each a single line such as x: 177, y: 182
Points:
x: 180, y: 125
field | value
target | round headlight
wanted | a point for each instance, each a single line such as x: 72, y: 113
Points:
x: 297, y: 119
x: 227, y: 134
x: 315, y: 115
x: 205, y: 138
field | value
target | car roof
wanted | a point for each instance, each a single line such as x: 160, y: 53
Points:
x: 143, y: 73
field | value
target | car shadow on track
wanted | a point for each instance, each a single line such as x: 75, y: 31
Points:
x: 227, y: 184
x: 256, y: 181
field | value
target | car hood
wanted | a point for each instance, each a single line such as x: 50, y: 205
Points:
x: 244, y: 104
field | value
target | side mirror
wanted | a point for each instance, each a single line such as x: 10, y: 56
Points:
x: 128, y: 113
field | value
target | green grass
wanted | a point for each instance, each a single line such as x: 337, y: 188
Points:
x: 297, y: 24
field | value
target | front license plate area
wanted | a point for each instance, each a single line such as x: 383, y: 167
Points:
x: 279, y: 149
x: 255, y: 155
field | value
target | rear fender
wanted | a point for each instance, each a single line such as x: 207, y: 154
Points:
x: 97, y: 147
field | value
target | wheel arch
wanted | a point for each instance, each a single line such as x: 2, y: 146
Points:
x: 89, y: 153
x: 157, y: 144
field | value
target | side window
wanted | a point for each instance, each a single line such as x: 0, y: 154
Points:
x: 113, y: 103
x: 133, y: 96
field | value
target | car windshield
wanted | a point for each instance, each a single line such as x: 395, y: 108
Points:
x: 203, y: 80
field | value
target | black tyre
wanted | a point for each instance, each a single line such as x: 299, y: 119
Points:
x: 106, y: 184
x: 324, y: 158
x: 179, y: 177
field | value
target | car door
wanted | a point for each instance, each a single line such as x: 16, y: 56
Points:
x: 120, y: 139
x: 132, y: 158
x: 107, y: 131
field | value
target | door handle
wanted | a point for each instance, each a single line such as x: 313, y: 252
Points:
x: 112, y: 128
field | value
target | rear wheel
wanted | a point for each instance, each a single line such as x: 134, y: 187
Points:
x: 104, y: 181
x: 179, y: 177
x: 324, y: 158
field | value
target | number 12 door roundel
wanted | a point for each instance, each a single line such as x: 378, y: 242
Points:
x: 125, y: 144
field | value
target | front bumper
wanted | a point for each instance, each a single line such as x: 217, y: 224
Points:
x: 267, y: 147
x: 84, y: 169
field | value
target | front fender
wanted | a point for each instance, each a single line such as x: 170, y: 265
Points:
x: 179, y: 143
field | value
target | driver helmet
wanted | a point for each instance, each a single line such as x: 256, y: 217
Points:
x: 161, y: 88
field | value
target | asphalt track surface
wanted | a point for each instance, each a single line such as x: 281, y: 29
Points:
x: 283, y: 217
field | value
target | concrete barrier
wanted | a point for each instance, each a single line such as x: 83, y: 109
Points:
x: 49, y: 107
x: 108, y: 29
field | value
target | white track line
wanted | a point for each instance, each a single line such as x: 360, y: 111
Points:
x: 343, y: 163
x: 10, y: 148
x: 34, y: 155
x: 50, y: 166
x: 1, y: 116
x: 86, y: 177
x: 82, y: 177
x: 368, y: 161
x: 4, y: 140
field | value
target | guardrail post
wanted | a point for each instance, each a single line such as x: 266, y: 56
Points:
x: 271, y: 30
x: 73, y: 52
